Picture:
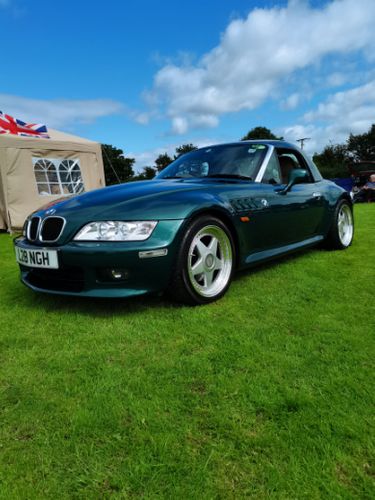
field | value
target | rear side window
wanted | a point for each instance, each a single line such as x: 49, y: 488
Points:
x: 289, y: 160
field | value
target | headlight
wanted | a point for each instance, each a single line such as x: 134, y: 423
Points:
x: 116, y: 231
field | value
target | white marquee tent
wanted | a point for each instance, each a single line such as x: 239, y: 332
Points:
x: 35, y: 171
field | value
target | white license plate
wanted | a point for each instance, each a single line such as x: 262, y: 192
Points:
x: 46, y: 259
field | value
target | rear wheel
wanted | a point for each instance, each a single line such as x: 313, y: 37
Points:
x: 341, y: 233
x: 204, y: 265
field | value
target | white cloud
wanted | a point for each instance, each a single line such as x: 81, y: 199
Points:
x: 58, y: 112
x: 347, y: 108
x: 291, y: 102
x: 141, y: 118
x: 147, y: 158
x: 342, y: 113
x: 255, y: 55
x: 316, y: 138
x: 337, y: 79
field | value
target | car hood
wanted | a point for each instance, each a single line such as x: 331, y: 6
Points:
x: 150, y: 200
x: 147, y: 200
x: 121, y: 195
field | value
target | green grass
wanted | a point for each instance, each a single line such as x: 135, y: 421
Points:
x: 268, y: 392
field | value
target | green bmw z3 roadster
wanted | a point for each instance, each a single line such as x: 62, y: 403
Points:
x: 212, y: 211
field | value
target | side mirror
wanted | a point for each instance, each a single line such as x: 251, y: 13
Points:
x: 296, y: 176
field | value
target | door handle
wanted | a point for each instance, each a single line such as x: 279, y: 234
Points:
x: 317, y: 195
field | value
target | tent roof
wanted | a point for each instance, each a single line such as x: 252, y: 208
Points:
x: 57, y: 140
x: 57, y: 135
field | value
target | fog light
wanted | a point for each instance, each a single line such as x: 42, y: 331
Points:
x: 118, y: 274
x: 112, y: 274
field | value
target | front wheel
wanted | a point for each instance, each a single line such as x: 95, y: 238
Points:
x: 340, y: 235
x: 205, y: 261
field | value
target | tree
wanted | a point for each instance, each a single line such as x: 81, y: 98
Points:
x: 162, y: 161
x: 332, y: 161
x: 146, y: 174
x: 185, y: 148
x: 362, y: 146
x: 149, y: 172
x: 117, y: 168
x: 260, y: 133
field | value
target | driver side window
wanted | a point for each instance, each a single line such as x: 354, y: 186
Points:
x: 272, y: 174
x: 290, y: 160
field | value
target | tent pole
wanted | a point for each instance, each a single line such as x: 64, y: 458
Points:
x: 110, y: 164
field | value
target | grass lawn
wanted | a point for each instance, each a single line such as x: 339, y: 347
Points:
x: 268, y: 392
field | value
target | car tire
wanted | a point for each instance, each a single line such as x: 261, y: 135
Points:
x: 205, y: 263
x: 340, y: 235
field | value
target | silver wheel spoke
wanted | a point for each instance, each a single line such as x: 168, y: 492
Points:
x: 213, y: 246
x: 218, y: 265
x: 208, y: 278
x: 198, y: 267
x: 202, y: 249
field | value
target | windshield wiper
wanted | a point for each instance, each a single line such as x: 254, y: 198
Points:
x: 172, y: 177
x: 231, y: 176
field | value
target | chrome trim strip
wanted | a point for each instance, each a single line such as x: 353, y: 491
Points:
x: 263, y: 167
x: 37, y: 229
x: 42, y: 224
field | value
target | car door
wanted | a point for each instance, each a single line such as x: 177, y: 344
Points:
x: 306, y: 201
x: 268, y: 228
x: 296, y: 215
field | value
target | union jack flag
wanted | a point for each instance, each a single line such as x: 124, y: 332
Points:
x: 10, y: 125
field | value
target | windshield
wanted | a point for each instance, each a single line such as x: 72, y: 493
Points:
x: 240, y: 161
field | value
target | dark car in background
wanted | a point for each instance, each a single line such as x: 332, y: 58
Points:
x: 360, y: 173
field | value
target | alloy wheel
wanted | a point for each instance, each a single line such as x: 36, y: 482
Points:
x: 210, y: 261
x: 345, y: 225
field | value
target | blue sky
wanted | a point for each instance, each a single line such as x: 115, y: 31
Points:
x: 148, y: 76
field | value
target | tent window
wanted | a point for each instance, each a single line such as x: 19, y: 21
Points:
x: 62, y: 177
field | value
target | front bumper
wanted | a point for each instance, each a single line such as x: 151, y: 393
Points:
x: 85, y: 268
